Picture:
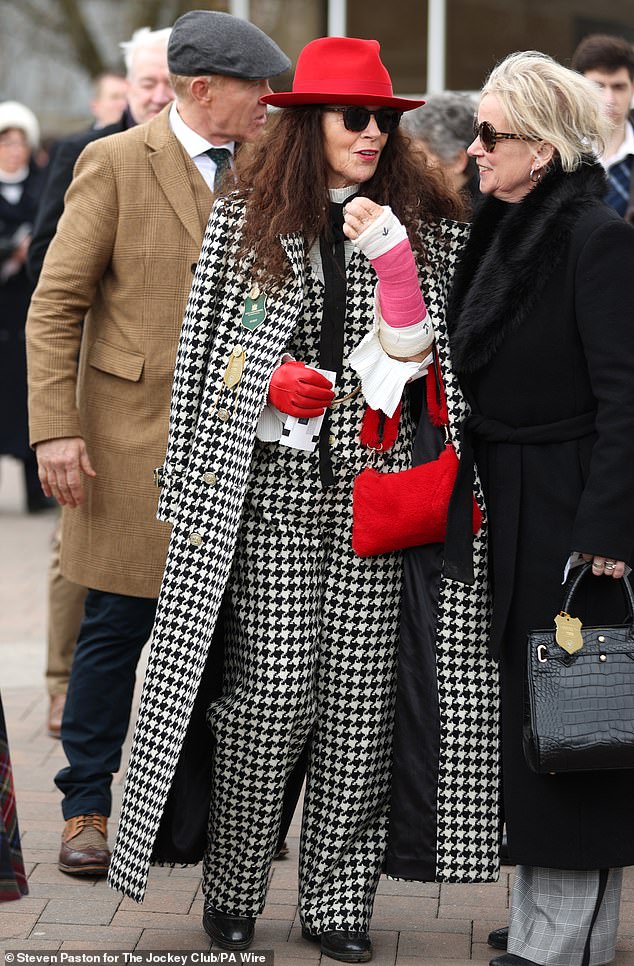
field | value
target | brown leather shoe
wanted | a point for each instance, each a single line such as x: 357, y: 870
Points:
x: 84, y: 848
x: 55, y: 712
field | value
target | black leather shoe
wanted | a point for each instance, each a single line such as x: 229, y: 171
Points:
x: 228, y: 932
x: 510, y: 959
x: 498, y: 939
x: 346, y: 946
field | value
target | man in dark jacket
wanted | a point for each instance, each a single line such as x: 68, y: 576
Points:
x: 149, y: 90
x: 609, y: 62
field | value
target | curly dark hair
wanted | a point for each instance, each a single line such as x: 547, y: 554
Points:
x: 284, y: 187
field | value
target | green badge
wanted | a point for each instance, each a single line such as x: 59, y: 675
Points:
x: 254, y: 308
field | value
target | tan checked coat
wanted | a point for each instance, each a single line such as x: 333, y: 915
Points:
x: 122, y: 259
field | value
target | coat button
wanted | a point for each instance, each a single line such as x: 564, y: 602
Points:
x: 210, y: 478
x: 195, y: 539
x: 224, y: 415
x: 332, y: 440
x: 237, y: 351
x: 194, y: 266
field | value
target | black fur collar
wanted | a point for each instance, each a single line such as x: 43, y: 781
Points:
x: 511, y: 253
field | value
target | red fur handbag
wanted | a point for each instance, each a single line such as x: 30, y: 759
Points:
x: 391, y: 511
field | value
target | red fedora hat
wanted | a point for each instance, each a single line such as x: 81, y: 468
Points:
x: 341, y: 70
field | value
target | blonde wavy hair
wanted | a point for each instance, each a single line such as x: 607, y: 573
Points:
x: 548, y: 102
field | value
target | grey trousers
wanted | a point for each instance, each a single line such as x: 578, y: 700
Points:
x: 552, y: 912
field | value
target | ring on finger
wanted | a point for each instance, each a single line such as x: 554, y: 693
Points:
x: 598, y: 564
x: 609, y: 565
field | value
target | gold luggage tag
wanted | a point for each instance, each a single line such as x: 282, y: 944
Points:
x: 235, y: 367
x: 231, y: 381
x: 568, y: 633
x: 254, y: 308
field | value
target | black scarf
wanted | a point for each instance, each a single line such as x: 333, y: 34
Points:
x: 333, y: 259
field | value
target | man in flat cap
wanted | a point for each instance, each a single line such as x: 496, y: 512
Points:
x: 148, y: 91
x: 122, y: 260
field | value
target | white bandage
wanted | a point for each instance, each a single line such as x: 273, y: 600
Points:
x: 384, y: 233
x: 406, y: 342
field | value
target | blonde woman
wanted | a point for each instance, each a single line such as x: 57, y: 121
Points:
x: 543, y: 343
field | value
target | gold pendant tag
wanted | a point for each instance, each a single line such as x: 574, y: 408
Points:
x: 230, y: 380
x: 235, y: 367
x: 568, y: 633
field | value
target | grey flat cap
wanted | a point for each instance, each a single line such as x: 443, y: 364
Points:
x: 208, y: 42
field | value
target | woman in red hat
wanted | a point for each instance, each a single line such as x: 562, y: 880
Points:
x: 318, y: 290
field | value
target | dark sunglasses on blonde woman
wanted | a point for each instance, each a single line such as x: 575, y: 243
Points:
x: 489, y: 136
x: 357, y: 118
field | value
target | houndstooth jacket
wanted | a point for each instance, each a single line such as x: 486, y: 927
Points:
x: 211, y: 439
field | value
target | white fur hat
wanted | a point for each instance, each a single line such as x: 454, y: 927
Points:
x: 14, y: 114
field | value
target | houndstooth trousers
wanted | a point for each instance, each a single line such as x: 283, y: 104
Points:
x: 552, y: 912
x: 311, y: 647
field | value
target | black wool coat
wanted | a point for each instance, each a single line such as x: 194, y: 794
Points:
x: 542, y: 331
x: 15, y: 295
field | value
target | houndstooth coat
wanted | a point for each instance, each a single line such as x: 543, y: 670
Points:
x: 211, y: 439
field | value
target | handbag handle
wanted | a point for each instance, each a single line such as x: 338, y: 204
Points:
x: 586, y: 568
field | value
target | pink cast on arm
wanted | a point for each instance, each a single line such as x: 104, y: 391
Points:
x: 402, y: 302
x: 404, y: 327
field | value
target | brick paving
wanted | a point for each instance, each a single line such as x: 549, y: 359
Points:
x: 414, y: 924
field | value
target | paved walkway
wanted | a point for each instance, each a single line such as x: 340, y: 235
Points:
x: 414, y: 924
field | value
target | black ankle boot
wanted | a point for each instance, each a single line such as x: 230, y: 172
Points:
x: 510, y: 959
x: 498, y: 939
x: 343, y: 945
x: 228, y: 932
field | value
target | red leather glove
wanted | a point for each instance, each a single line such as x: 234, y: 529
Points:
x: 299, y: 391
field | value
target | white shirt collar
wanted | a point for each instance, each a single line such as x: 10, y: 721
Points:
x: 626, y: 148
x: 193, y: 143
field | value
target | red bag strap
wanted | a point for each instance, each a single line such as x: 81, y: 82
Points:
x: 379, y: 431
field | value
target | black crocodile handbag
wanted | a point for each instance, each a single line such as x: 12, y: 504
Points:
x: 579, y: 707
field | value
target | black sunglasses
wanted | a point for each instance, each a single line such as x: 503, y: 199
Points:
x: 489, y: 136
x: 357, y: 118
